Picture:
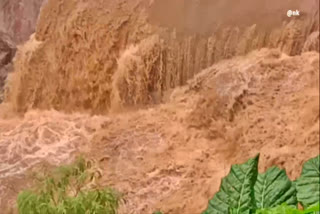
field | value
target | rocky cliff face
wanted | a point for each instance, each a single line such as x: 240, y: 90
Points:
x: 18, y: 18
x: 105, y: 55
x: 7, y: 52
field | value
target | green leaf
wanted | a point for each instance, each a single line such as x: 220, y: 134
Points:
x: 274, y: 188
x: 286, y: 209
x: 313, y: 210
x: 236, y: 190
x: 308, y: 185
x: 280, y: 209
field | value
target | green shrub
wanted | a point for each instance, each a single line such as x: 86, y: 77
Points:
x: 69, y: 190
x: 245, y: 191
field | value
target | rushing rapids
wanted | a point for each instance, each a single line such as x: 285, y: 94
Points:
x: 165, y: 105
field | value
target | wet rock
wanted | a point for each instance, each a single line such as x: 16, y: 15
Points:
x: 7, y: 52
x: 19, y: 17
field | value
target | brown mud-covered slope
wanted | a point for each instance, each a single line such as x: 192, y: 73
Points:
x: 165, y: 96
x: 99, y: 56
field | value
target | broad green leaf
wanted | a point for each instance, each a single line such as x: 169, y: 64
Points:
x: 274, y: 188
x: 236, y: 190
x: 308, y: 185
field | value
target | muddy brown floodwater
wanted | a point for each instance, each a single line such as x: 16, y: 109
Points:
x: 164, y: 107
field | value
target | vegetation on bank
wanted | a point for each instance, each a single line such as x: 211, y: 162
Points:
x: 72, y: 190
x: 69, y: 190
x: 245, y: 191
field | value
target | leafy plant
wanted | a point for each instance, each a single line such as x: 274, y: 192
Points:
x: 286, y: 209
x: 69, y: 190
x: 245, y: 191
x: 308, y: 185
x: 273, y: 188
x: 236, y: 190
